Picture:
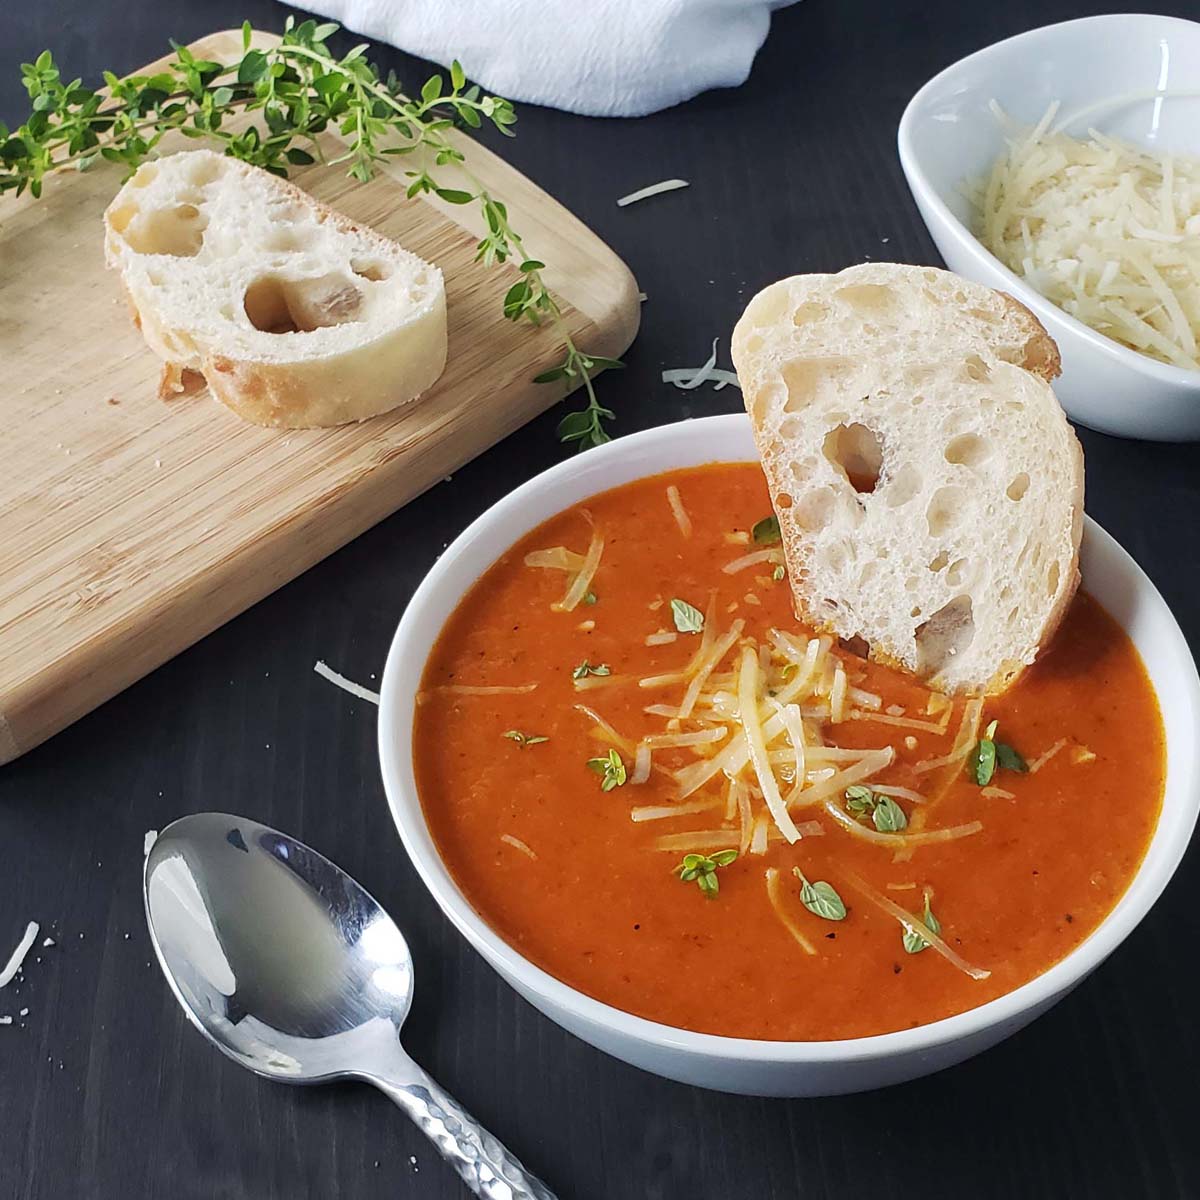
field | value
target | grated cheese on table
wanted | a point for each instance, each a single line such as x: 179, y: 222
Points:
x: 1107, y: 231
x: 18, y: 955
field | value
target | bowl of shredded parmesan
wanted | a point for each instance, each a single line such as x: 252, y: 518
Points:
x: 1063, y: 166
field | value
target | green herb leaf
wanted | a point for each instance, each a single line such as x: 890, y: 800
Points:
x: 982, y: 761
x: 860, y: 800
x: 766, y: 532
x: 590, y: 598
x: 888, y: 815
x: 688, y: 618
x: 820, y: 898
x: 703, y: 869
x: 1010, y: 759
x: 586, y: 668
x: 523, y: 739
x: 611, y: 770
x: 914, y: 943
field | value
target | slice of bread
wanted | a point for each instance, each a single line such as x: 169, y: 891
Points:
x: 928, y: 486
x: 294, y: 315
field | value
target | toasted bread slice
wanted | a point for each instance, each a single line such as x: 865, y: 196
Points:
x: 928, y: 486
x: 294, y: 315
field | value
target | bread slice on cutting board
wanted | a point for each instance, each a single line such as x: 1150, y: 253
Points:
x: 294, y: 315
x: 928, y: 486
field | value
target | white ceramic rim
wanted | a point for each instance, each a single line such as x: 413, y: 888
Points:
x: 401, y: 676
x: 1044, y: 309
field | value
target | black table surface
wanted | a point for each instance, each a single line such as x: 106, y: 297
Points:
x: 105, y: 1091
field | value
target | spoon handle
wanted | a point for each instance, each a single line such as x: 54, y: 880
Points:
x: 486, y: 1165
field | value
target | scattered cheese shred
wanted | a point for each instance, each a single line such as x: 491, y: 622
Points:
x: 689, y: 378
x: 347, y: 685
x: 584, y: 576
x: 641, y: 764
x: 1108, y: 231
x: 914, y: 923
x: 697, y: 840
x: 653, y: 189
x: 517, y: 844
x: 997, y: 793
x: 752, y: 560
x: 17, y: 958
x: 860, y: 831
x: 775, y: 895
x: 467, y: 689
x: 1042, y: 759
x: 679, y: 512
x: 662, y: 812
x: 556, y: 558
x: 664, y: 637
x: 757, y: 746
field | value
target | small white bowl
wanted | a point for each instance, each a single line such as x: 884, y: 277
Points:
x: 949, y: 134
x: 739, y: 1064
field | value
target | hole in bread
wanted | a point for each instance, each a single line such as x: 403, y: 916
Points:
x: 947, y: 633
x: 177, y: 232
x: 372, y: 271
x: 1018, y: 487
x: 938, y: 563
x: 976, y: 369
x: 902, y: 486
x: 867, y: 298
x: 814, y: 510
x: 146, y: 175
x: 835, y: 557
x: 275, y: 305
x: 983, y: 314
x: 783, y: 500
x: 1052, y: 577
x: 803, y: 378
x: 956, y: 575
x: 204, y: 169
x: 968, y: 450
x: 945, y: 510
x: 918, y: 376
x: 858, y: 452
x: 809, y: 311
x: 283, y: 239
x: 856, y: 645
x: 911, y: 583
x: 751, y: 343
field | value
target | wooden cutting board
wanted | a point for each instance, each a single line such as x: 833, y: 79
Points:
x: 130, y: 528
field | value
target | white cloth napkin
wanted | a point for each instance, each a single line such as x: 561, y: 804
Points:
x: 602, y: 58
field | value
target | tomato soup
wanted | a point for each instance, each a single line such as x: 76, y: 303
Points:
x: 659, y: 787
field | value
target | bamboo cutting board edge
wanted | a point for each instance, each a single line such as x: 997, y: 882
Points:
x: 93, y: 600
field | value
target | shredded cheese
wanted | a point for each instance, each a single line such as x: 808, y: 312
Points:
x: 663, y: 637
x: 641, y: 764
x: 467, y: 689
x: 860, y: 831
x: 17, y: 958
x: 757, y: 746
x: 696, y: 841
x: 653, y: 189
x: 1042, y: 759
x: 752, y: 560
x: 347, y: 685
x: 1108, y: 231
x: 679, y: 512
x: 556, y: 558
x: 917, y: 926
x: 775, y: 895
x: 997, y: 793
x: 517, y: 844
x: 662, y: 812
x: 585, y: 575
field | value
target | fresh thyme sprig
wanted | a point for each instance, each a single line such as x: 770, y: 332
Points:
x: 295, y: 91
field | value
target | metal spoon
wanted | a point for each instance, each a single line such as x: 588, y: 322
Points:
x: 287, y: 966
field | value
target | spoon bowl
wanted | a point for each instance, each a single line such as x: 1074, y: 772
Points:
x: 296, y: 972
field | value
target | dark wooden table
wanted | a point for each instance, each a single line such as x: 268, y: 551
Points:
x: 106, y: 1092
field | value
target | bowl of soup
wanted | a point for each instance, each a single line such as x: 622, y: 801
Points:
x: 721, y: 847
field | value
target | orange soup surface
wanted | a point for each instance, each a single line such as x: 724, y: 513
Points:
x: 532, y: 794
